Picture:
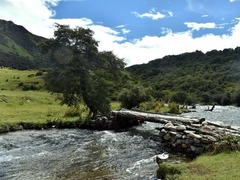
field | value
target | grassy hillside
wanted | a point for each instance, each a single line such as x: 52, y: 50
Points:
x: 213, y: 77
x: 19, y: 104
x: 19, y: 48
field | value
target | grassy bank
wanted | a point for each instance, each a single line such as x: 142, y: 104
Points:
x: 220, y: 166
x: 25, y: 104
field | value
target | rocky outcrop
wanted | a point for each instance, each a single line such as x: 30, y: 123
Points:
x: 115, y: 121
x: 194, y: 138
x: 182, y: 134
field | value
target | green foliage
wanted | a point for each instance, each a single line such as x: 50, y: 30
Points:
x: 133, y: 95
x: 153, y: 105
x: 237, y: 99
x: 213, y: 77
x: 180, y: 97
x: 167, y: 171
x: 227, y: 144
x: 19, y: 48
x: 81, y: 73
x: 208, y: 167
x: 174, y: 108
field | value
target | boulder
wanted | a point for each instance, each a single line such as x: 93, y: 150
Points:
x: 181, y: 128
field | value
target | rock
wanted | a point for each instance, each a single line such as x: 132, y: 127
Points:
x: 184, y: 136
x: 187, y: 132
x: 164, y: 131
x: 197, y: 125
x: 196, y: 141
x: 208, y: 128
x: 168, y: 125
x: 179, y: 141
x: 181, y: 128
x: 178, y: 136
x: 194, y: 135
x: 212, y: 139
x: 184, y: 146
x: 193, y: 148
x: 167, y: 137
x: 173, y: 133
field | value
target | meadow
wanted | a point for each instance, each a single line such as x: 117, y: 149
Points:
x: 24, y: 100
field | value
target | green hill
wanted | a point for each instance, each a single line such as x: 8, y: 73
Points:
x: 19, y: 48
x: 213, y: 77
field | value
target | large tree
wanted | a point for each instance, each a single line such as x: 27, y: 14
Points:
x: 81, y: 73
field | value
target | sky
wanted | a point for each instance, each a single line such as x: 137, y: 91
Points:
x: 136, y: 30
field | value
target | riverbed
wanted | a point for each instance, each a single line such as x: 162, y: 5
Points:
x: 228, y: 115
x: 81, y: 154
x: 73, y: 154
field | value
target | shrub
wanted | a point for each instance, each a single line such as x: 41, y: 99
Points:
x: 227, y: 144
x: 133, y: 96
x: 20, y: 84
x: 73, y: 112
x: 174, y: 108
x: 39, y: 73
x: 166, y: 171
x: 153, y: 105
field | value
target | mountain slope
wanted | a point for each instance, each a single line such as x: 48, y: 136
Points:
x: 19, y: 48
x: 210, y: 77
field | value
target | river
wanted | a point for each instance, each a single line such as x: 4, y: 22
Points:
x: 228, y: 115
x: 82, y: 154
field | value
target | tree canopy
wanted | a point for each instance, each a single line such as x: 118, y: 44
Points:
x: 81, y: 73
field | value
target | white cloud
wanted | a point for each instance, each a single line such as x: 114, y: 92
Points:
x: 138, y: 51
x: 204, y: 16
x: 152, y: 14
x: 170, y: 13
x: 198, y: 26
x: 125, y: 31
x: 33, y: 15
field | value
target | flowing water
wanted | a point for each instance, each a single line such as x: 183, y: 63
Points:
x: 83, y: 154
x: 80, y: 154
x: 228, y: 115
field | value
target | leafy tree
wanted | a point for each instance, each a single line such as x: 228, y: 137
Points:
x: 81, y: 72
x: 237, y: 99
x: 134, y: 95
x: 226, y: 99
x: 180, y: 97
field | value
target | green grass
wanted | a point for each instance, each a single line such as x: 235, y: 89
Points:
x: 18, y: 106
x: 10, y: 78
x: 211, y: 167
x: 33, y: 108
x: 29, y: 107
x: 12, y: 47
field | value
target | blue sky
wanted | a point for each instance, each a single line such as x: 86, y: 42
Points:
x: 136, y: 30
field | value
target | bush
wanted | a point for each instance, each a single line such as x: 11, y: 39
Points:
x: 166, y: 171
x: 32, y: 87
x: 72, y: 112
x: 237, y: 99
x: 133, y: 96
x: 227, y: 144
x: 174, y: 108
x: 153, y: 105
x: 39, y: 73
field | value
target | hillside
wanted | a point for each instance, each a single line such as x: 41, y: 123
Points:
x: 213, y: 77
x: 19, y: 48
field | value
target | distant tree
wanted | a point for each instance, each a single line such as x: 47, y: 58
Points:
x: 180, y: 97
x: 133, y: 95
x: 226, y: 99
x: 237, y: 99
x: 81, y: 72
